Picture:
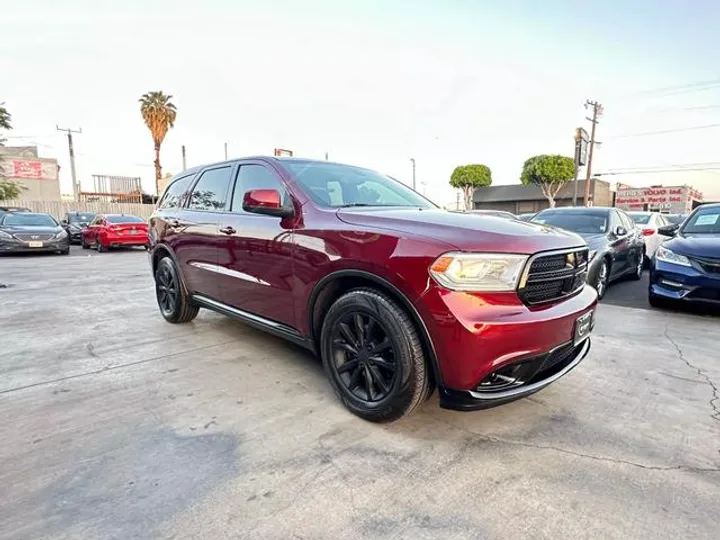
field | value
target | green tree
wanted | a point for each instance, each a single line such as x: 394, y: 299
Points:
x: 550, y: 172
x: 467, y: 178
x: 9, y: 190
x: 159, y: 114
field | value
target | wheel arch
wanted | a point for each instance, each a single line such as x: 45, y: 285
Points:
x: 334, y: 285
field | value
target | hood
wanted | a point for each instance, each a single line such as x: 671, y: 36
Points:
x: 594, y: 241
x: 700, y: 245
x: 30, y: 229
x: 466, y: 232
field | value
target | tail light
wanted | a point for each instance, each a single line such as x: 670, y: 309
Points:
x: 648, y: 232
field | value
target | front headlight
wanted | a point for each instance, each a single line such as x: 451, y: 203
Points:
x: 61, y: 234
x: 665, y: 255
x: 479, y: 272
x: 3, y: 234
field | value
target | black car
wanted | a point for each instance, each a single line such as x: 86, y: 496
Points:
x: 28, y: 231
x: 75, y: 222
x: 617, y: 247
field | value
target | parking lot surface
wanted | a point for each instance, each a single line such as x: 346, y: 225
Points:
x: 117, y: 424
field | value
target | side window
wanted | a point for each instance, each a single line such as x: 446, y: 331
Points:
x: 173, y: 197
x: 614, y: 221
x: 211, y: 190
x: 625, y: 221
x: 255, y: 177
x: 97, y: 221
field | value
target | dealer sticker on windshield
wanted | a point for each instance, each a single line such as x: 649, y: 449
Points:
x: 583, y: 327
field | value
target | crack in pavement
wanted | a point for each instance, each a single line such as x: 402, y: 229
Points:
x: 716, y: 395
x: 594, y: 457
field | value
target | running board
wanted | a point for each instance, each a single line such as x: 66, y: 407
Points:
x: 261, y: 323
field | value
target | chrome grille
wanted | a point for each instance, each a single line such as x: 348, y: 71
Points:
x: 33, y: 237
x: 554, y: 275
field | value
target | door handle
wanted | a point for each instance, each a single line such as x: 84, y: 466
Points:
x: 228, y: 230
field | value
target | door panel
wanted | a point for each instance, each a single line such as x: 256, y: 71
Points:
x: 255, y: 257
x: 619, y: 246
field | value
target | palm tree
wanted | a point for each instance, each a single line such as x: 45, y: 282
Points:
x: 159, y: 115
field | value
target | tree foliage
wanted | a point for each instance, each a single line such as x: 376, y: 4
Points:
x: 159, y: 113
x: 467, y: 178
x: 550, y: 172
x: 9, y: 190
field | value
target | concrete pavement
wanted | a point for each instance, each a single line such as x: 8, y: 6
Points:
x: 119, y: 425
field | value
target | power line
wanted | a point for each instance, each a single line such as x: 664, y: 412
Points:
x: 664, y: 131
x: 681, y: 88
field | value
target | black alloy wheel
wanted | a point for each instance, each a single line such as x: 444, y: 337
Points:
x: 173, y: 301
x: 363, y: 357
x: 602, y: 279
x: 373, y: 356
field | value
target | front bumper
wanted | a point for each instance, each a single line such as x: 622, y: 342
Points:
x: 473, y: 401
x: 476, y: 336
x: 683, y: 283
x: 18, y: 246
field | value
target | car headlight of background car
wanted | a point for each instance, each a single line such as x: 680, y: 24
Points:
x: 478, y: 272
x: 665, y: 255
x: 5, y: 236
x: 62, y: 234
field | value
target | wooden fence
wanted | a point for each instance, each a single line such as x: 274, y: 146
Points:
x: 59, y: 208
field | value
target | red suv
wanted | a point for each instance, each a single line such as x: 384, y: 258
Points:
x: 394, y: 294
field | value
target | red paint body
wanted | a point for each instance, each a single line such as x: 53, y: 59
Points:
x: 117, y: 234
x: 272, y: 267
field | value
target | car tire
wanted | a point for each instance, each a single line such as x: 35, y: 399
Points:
x: 83, y: 244
x: 639, y: 267
x: 172, y: 298
x: 388, y: 377
x: 99, y: 247
x: 64, y: 251
x: 601, y: 279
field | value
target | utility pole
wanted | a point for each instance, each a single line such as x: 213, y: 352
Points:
x: 326, y: 156
x: 183, y: 156
x: 225, y: 151
x: 76, y: 186
x: 597, y: 112
x: 413, y: 164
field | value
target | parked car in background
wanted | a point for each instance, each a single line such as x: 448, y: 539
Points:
x: 107, y: 231
x: 526, y: 217
x: 648, y: 223
x: 8, y: 209
x: 496, y: 213
x: 687, y: 267
x: 675, y: 219
x: 74, y: 223
x: 394, y: 294
x: 28, y: 231
x: 616, y: 246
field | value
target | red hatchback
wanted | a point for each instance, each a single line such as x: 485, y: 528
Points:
x: 115, y: 230
x: 395, y: 295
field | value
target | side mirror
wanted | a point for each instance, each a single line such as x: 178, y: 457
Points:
x: 620, y: 231
x: 265, y: 201
x: 64, y: 222
x: 668, y: 230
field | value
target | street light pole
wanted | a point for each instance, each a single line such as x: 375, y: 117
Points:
x: 413, y: 164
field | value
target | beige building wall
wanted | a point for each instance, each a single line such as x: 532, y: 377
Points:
x: 39, y: 175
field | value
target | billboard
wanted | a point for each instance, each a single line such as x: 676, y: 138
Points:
x: 676, y: 199
x: 28, y: 169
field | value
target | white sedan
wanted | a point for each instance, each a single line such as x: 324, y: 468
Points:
x: 649, y: 223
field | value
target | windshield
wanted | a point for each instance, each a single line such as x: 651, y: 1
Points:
x: 675, y: 219
x: 334, y: 185
x: 584, y: 223
x: 640, y: 219
x: 124, y: 219
x: 706, y: 221
x: 81, y: 217
x: 23, y: 219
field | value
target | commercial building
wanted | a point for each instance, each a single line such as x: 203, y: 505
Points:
x: 671, y: 200
x: 522, y: 199
x: 39, y: 175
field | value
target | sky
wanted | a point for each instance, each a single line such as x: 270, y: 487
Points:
x: 371, y: 83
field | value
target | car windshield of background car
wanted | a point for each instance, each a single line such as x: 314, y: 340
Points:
x: 124, y: 219
x: 81, y: 217
x: 574, y: 221
x: 640, y: 219
x: 22, y: 219
x: 704, y: 222
x: 675, y: 218
x: 334, y: 185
